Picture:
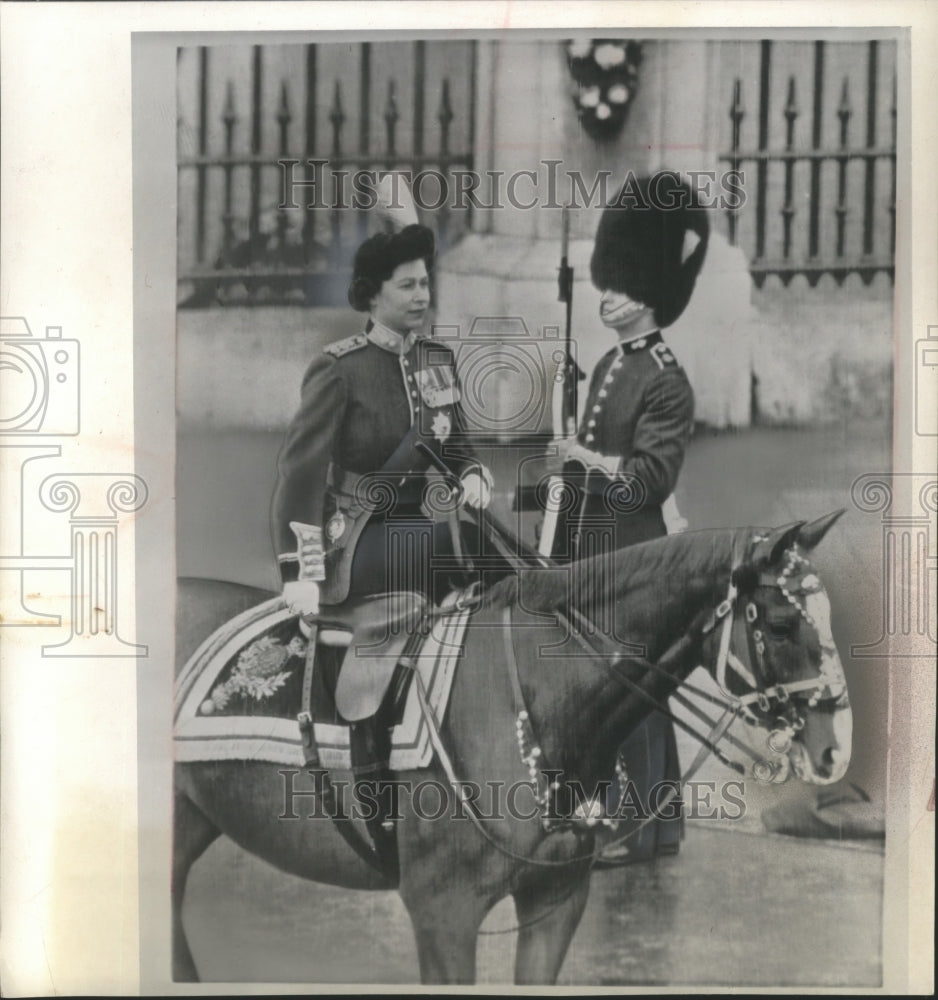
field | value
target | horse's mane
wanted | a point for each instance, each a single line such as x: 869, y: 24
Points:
x: 688, y: 555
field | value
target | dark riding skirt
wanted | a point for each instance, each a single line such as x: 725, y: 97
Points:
x: 408, y: 551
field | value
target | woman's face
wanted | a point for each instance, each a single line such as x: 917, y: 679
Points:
x: 617, y: 310
x: 402, y: 301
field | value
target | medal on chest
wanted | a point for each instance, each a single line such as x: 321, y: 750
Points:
x: 441, y: 425
x: 335, y: 527
x: 437, y: 386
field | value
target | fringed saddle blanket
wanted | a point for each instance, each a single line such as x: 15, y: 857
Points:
x: 238, y: 696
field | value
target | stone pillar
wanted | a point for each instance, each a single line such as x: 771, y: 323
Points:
x: 506, y: 268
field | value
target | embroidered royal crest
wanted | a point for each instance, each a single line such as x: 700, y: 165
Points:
x: 441, y: 426
x: 258, y: 673
x: 437, y: 386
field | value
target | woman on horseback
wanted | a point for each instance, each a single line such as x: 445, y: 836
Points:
x: 639, y: 414
x: 350, y: 513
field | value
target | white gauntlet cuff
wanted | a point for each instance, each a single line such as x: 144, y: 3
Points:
x: 309, y: 551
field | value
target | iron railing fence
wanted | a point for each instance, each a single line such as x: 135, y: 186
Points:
x: 823, y: 201
x: 264, y: 191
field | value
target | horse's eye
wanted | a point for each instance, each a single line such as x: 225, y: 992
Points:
x: 781, y: 629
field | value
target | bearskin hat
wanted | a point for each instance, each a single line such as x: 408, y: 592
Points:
x: 640, y: 244
x: 380, y: 255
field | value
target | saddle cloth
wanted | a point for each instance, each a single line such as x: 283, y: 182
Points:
x: 238, y: 696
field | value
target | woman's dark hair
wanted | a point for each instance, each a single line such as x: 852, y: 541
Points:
x: 640, y: 240
x: 380, y: 256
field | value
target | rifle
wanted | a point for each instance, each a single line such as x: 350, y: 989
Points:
x: 568, y: 375
x: 565, y: 387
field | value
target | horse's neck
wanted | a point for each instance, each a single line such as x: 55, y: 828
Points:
x: 585, y: 718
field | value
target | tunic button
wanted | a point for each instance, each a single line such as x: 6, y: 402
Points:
x: 596, y: 409
x: 590, y: 438
x: 413, y: 393
x: 603, y: 393
x: 608, y: 379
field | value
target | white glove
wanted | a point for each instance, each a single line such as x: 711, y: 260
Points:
x: 592, y: 459
x: 302, y: 597
x: 476, y: 491
x: 674, y: 522
x: 562, y: 446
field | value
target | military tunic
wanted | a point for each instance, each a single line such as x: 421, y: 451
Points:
x: 348, y: 462
x: 629, y: 448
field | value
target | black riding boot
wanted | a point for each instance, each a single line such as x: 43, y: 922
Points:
x: 370, y: 746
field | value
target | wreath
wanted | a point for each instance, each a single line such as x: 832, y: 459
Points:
x: 605, y: 78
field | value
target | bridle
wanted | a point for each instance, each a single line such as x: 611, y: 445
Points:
x: 760, y: 703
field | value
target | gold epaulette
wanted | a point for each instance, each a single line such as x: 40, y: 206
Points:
x: 341, y: 347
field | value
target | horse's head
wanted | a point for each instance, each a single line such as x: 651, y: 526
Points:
x: 779, y: 660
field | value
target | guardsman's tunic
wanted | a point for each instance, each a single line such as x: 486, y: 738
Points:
x: 629, y: 448
x: 348, y: 468
x: 624, y: 464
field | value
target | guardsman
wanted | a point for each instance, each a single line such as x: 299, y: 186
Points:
x: 639, y: 414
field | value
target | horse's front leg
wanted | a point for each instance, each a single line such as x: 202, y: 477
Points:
x: 446, y: 929
x: 548, y: 913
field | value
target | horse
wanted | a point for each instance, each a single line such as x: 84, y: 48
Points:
x: 744, y: 602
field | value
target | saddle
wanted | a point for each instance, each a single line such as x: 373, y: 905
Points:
x: 376, y: 632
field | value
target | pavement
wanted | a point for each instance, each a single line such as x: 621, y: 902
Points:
x: 732, y: 909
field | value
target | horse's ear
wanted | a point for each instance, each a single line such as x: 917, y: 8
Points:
x: 813, y: 532
x: 769, y: 550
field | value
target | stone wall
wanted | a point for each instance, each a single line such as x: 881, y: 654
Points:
x: 787, y: 356
x: 242, y: 367
x: 823, y: 354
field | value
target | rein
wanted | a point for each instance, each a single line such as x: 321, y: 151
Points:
x: 521, y: 556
